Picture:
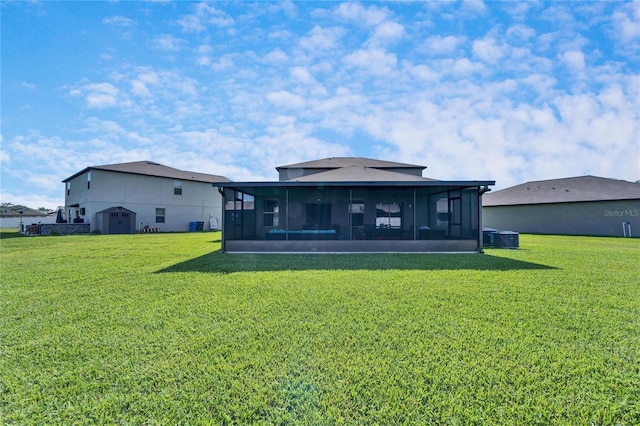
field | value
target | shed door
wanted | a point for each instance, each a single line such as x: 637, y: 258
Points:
x: 119, y: 223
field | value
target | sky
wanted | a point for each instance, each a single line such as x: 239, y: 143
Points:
x: 504, y: 91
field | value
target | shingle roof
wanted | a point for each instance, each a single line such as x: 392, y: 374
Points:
x: 357, y: 173
x: 566, y: 190
x: 13, y: 211
x: 149, y: 168
x: 339, y: 162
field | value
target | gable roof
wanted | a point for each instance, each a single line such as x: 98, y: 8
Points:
x: 150, y: 168
x: 357, y: 173
x: 339, y: 162
x: 14, y: 211
x: 566, y: 190
x: 110, y: 209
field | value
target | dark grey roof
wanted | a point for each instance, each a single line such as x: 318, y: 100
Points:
x: 149, y: 168
x: 110, y: 209
x: 357, y: 173
x: 442, y: 185
x: 567, y: 190
x: 339, y: 162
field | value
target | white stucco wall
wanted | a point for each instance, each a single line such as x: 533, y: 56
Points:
x: 14, y: 222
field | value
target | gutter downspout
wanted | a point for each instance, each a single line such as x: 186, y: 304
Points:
x: 223, y: 242
x: 481, y: 190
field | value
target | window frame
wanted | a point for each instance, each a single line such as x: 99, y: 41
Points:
x: 161, y: 215
x: 271, y: 212
x: 392, y: 219
x: 177, y: 187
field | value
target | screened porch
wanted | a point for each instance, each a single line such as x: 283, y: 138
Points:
x: 372, y: 217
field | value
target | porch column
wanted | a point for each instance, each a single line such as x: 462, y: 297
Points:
x: 286, y: 210
x: 415, y: 217
x: 480, y: 240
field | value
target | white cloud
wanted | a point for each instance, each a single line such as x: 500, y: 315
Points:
x: 387, y: 31
x: 520, y: 32
x: 168, y: 43
x: 276, y: 56
x: 487, y: 50
x: 29, y: 86
x: 302, y: 75
x: 443, y: 45
x: 357, y: 13
x: 119, y: 21
x: 204, y: 15
x: 474, y: 8
x: 626, y: 21
x: 97, y: 95
x: 225, y: 62
x: 284, y: 99
x: 574, y: 60
x: 320, y: 38
x: 373, y: 61
x: 465, y: 67
x: 5, y: 157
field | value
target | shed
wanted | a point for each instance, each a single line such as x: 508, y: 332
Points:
x: 116, y: 220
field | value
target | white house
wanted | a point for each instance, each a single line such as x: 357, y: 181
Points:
x: 143, y: 195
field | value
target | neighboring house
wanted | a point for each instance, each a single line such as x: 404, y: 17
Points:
x: 10, y: 217
x: 585, y: 205
x: 352, y: 205
x: 142, y: 195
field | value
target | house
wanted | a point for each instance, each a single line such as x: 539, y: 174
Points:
x: 351, y: 204
x: 142, y: 196
x: 584, y: 205
x: 23, y: 218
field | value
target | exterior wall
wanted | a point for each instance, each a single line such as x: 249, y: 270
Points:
x: 292, y: 173
x: 435, y: 246
x: 64, y: 228
x: 199, y: 202
x: 14, y: 222
x: 598, y: 218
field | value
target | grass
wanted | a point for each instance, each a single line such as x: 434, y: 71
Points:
x: 164, y: 329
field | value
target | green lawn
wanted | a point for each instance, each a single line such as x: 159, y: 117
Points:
x: 163, y: 329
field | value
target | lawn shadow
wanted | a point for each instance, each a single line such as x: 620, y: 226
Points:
x: 218, y: 262
x: 10, y: 233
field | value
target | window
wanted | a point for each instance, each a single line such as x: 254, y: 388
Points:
x: 68, y: 188
x: 82, y: 211
x: 357, y: 213
x: 177, y: 187
x: 389, y: 215
x: 89, y: 180
x: 271, y: 213
x: 160, y: 215
x: 442, y: 212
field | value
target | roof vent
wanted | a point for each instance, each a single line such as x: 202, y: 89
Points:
x: 553, y: 187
